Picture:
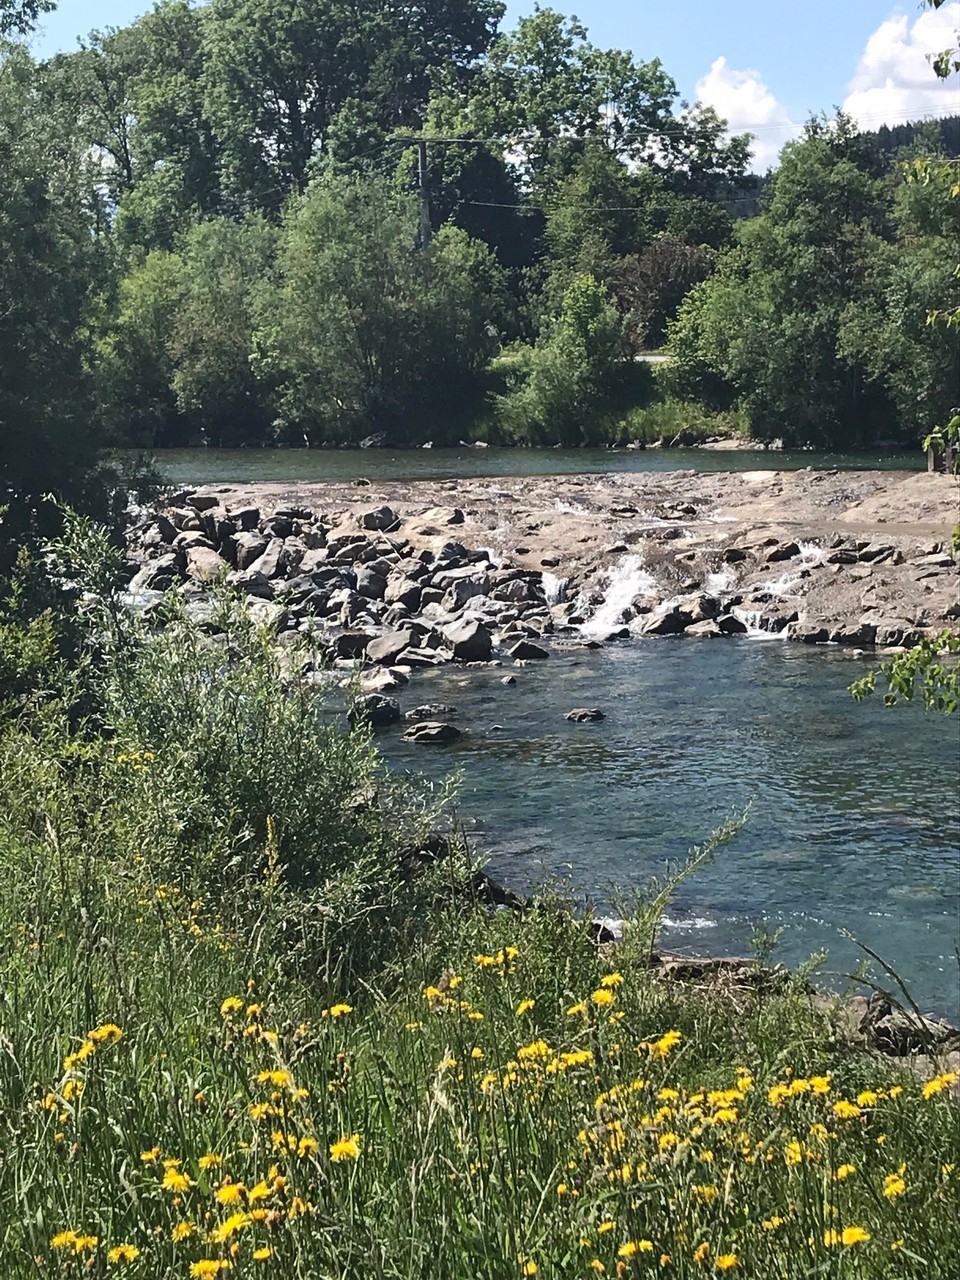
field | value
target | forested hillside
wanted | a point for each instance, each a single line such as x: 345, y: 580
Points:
x: 305, y: 222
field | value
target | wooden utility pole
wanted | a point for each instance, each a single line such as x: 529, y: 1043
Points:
x: 426, y: 230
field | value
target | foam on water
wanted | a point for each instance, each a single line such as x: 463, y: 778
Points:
x: 554, y: 588
x: 626, y: 580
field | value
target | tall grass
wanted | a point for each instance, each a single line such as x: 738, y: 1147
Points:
x: 244, y: 1031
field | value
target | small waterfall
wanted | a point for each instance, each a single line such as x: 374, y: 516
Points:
x: 626, y: 580
x: 554, y: 588
x: 754, y: 619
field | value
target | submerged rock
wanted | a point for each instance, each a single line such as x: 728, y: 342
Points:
x: 432, y: 731
x: 581, y: 715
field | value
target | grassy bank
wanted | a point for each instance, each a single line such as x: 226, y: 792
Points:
x: 248, y: 1029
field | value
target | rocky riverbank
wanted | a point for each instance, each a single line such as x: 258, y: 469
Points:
x: 405, y: 576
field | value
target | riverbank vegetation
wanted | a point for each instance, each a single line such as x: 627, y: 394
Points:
x: 253, y: 1024
x: 215, y: 231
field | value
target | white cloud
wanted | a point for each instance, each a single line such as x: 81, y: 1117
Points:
x: 748, y: 106
x: 894, y: 81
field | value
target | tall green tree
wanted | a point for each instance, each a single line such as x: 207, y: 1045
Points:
x: 364, y: 328
x: 48, y: 269
x: 766, y: 329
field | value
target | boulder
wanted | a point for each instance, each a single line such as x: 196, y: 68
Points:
x: 376, y: 709
x: 371, y: 584
x: 159, y: 574
x: 730, y: 625
x: 733, y: 555
x: 708, y: 629
x: 526, y: 650
x: 582, y: 715
x: 203, y: 501
x: 429, y: 711
x: 245, y: 518
x: 249, y: 547
x: 351, y: 644
x: 203, y: 564
x: 403, y: 591
x: 424, y: 657
x: 382, y: 679
x: 785, y: 551
x: 470, y: 641
x: 386, y: 649
x: 268, y: 562
x: 442, y: 516
x: 667, y: 620
x: 435, y: 731
x: 382, y: 518
x: 252, y: 583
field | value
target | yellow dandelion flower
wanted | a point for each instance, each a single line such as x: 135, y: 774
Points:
x: 771, y: 1224
x: 230, y: 1226
x: 854, y: 1235
x: 612, y: 980
x: 230, y: 1193
x: 345, y: 1148
x: 868, y: 1098
x: 207, y: 1268
x: 148, y: 1157
x: 279, y: 1079
x: 176, y: 1180
x: 109, y: 1033
x: 846, y: 1110
x: 232, y: 1004
x: 123, y: 1253
x: 893, y: 1186
x: 262, y: 1254
x: 476, y: 1053
x: 939, y: 1083
x: 701, y: 1252
x: 340, y: 1010
x: 844, y: 1171
x: 259, y: 1191
x: 82, y: 1244
x: 631, y: 1247
x: 608, y: 1224
x: 524, y: 1007
x: 820, y: 1084
x: 530, y: 1268
x: 602, y: 998
x: 579, y: 1007
x: 181, y: 1231
x: 63, y: 1240
x: 210, y: 1161
x: 667, y: 1042
x: 534, y: 1051
x: 597, y: 1266
x: 726, y: 1261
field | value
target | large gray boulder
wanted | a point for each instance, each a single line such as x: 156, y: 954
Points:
x: 203, y: 564
x: 434, y: 731
x: 470, y: 641
x: 383, y: 518
x: 386, y: 649
x: 375, y: 708
x: 526, y: 651
x: 371, y: 584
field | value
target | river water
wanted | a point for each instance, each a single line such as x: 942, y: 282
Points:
x: 287, y: 466
x: 853, y: 821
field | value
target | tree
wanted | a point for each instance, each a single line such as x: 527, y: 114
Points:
x: 768, y: 324
x: 364, y: 329
x: 19, y: 17
x: 48, y: 268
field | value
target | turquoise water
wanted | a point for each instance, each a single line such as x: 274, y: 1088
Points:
x: 286, y: 466
x: 854, y: 821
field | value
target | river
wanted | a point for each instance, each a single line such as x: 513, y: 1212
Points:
x: 247, y: 466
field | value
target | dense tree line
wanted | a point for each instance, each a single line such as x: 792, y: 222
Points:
x: 212, y: 228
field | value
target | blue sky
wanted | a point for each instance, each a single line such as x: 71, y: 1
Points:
x: 766, y: 67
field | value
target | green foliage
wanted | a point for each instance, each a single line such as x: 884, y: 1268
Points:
x: 572, y: 374
x: 922, y: 670
x: 364, y: 329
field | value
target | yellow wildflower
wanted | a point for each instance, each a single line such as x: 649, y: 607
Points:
x: 476, y: 1053
x: 345, y: 1148
x: 175, y: 1180
x: 340, y: 1010
x: 210, y: 1161
x: 611, y: 980
x: 579, y: 1007
x: 793, y: 1153
x: 231, y: 1005
x: 607, y: 1225
x: 844, y: 1171
x: 230, y: 1226
x: 109, y: 1033
x: 597, y: 1266
x: 524, y: 1007
x: 181, y: 1231
x: 123, y: 1253
x: 854, y: 1235
x: 206, y: 1268
x: 262, y: 1254
x: 893, y: 1186
x: 530, y: 1268
x: 230, y: 1193
x: 939, y: 1083
x: 771, y: 1224
x: 846, y: 1110
x: 602, y: 998
x: 701, y: 1251
x: 537, y: 1049
x: 279, y: 1079
x: 726, y: 1261
x: 831, y: 1237
x: 669, y: 1040
x: 631, y: 1247
x: 868, y: 1098
x: 63, y: 1240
